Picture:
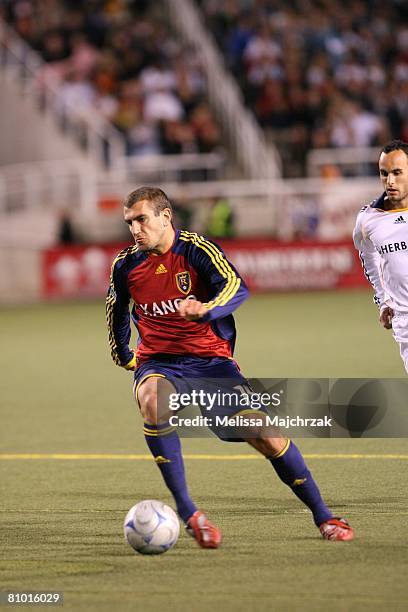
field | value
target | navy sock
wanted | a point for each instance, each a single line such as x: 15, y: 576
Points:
x: 164, y: 444
x: 292, y: 470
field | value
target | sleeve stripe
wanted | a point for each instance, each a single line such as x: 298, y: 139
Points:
x: 366, y: 274
x: 195, y: 238
x: 219, y: 262
x: 109, y: 318
x: 110, y: 302
x: 376, y: 299
x: 222, y: 265
x: 233, y: 282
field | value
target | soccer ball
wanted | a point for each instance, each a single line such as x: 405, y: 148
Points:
x: 151, y: 527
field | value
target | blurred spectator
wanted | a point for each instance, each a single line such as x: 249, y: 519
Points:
x: 161, y: 104
x: 220, y: 222
x: 66, y: 233
x: 75, y: 94
x: 182, y: 213
x: 177, y: 138
x: 207, y: 133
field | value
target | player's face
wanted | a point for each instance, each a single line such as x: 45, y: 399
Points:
x: 151, y: 232
x: 394, y: 177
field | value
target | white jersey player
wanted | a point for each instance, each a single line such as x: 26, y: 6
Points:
x: 381, y: 237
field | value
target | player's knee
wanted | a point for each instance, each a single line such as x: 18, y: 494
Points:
x: 268, y: 446
x: 147, y: 398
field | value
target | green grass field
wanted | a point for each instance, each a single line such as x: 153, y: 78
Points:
x: 62, y: 516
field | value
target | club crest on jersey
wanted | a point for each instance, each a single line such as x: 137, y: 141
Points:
x: 183, y: 281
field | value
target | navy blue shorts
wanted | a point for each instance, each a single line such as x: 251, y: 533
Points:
x: 214, y: 376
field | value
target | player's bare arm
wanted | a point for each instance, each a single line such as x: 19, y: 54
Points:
x: 192, y: 310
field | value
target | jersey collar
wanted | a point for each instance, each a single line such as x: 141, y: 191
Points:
x: 379, y: 202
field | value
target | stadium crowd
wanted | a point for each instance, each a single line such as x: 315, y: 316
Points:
x: 318, y: 73
x: 119, y: 58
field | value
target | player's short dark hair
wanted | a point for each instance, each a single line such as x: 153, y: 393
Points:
x: 395, y: 145
x: 155, y: 196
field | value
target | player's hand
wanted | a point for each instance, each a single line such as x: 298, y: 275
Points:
x: 192, y: 310
x: 386, y: 317
x: 131, y: 365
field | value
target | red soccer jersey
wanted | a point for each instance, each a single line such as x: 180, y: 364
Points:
x: 193, y: 268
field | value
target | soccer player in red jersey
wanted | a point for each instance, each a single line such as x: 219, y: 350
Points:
x: 184, y: 291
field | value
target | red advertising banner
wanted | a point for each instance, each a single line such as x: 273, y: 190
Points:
x: 275, y: 266
x: 77, y: 271
x: 83, y: 271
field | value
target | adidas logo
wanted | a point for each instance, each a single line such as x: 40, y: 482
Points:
x: 161, y: 269
x: 400, y: 219
x: 298, y: 481
x: 160, y: 459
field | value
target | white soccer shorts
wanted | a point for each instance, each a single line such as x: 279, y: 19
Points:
x: 400, y: 333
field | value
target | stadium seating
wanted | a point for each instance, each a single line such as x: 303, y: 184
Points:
x: 317, y: 73
x: 119, y: 58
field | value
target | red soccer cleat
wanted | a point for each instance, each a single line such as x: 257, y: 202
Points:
x: 205, y: 533
x: 337, y: 530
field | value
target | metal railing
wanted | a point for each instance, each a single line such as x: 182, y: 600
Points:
x: 307, y: 208
x: 46, y: 185
x: 245, y: 137
x: 350, y: 161
x: 184, y: 167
